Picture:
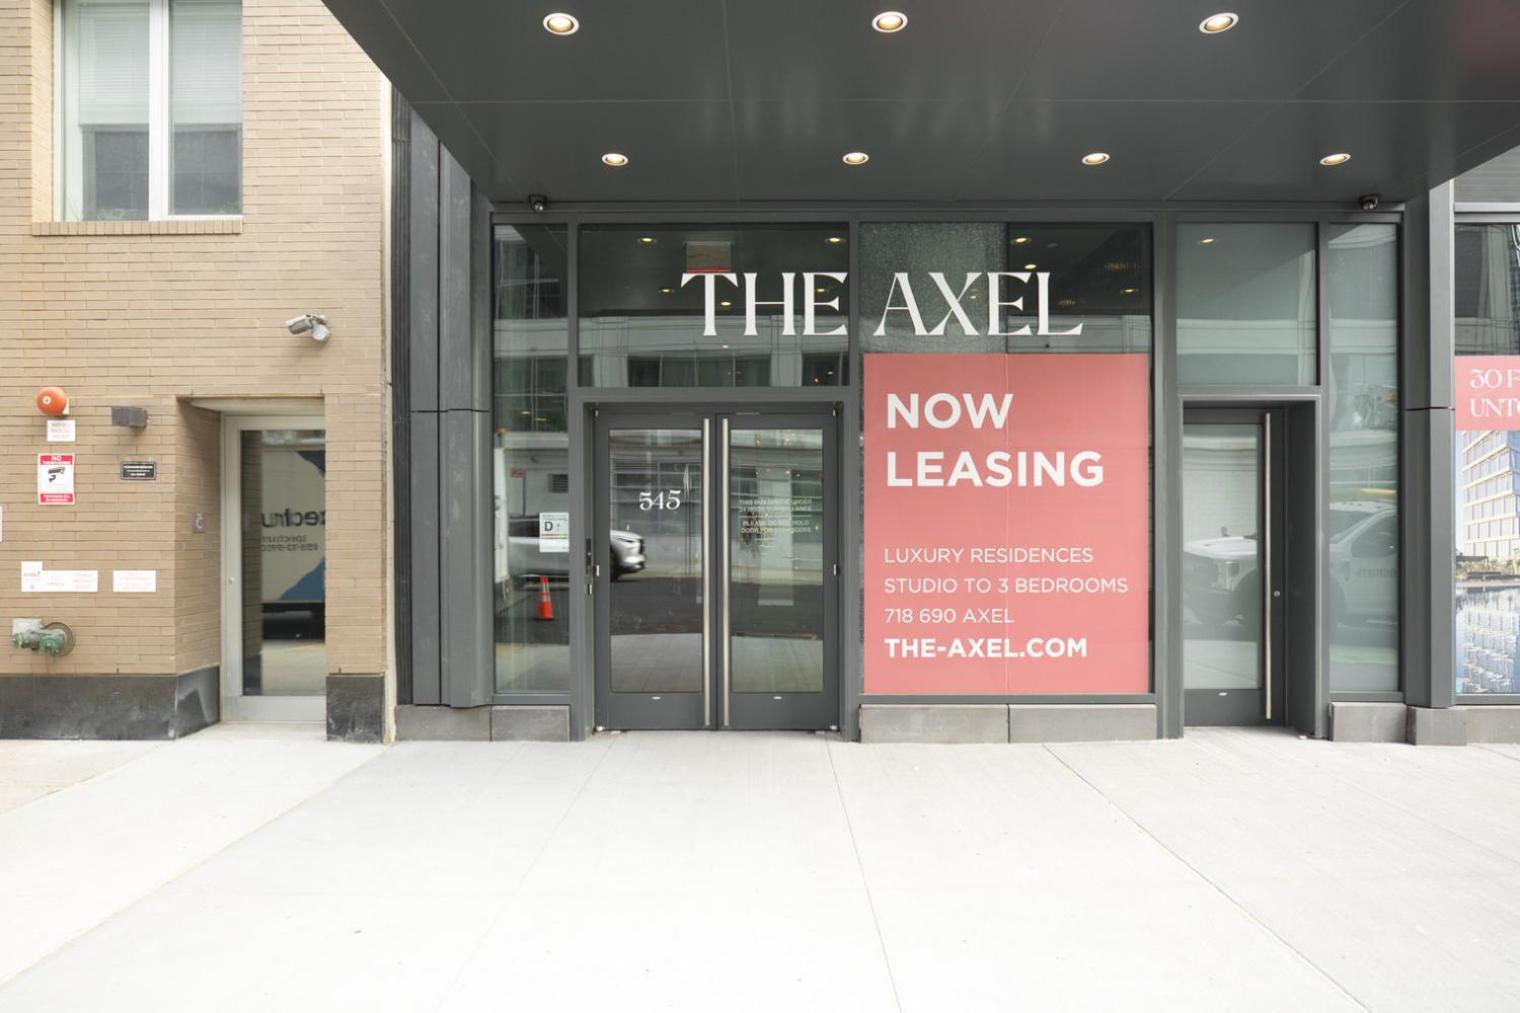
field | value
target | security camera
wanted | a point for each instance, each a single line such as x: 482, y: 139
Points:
x: 538, y: 202
x: 313, y: 323
x: 1369, y: 201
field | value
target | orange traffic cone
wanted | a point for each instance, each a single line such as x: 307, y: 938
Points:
x: 545, y: 603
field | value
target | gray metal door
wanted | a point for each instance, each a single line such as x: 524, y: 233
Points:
x: 717, y: 603
x: 1232, y: 567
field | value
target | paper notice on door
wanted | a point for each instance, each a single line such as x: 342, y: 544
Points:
x: 554, y: 532
x: 134, y: 581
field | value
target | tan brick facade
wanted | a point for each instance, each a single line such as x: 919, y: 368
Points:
x: 157, y: 314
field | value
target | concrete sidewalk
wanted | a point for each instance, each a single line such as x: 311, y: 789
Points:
x: 252, y: 869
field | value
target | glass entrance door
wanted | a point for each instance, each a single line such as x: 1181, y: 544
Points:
x: 1231, y: 567
x: 716, y: 606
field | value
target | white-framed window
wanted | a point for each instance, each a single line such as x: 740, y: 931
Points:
x: 150, y: 110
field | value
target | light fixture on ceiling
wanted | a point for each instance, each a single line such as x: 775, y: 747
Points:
x: 1030, y: 267
x: 647, y: 240
x: 1020, y: 240
x: 888, y: 22
x: 616, y: 159
x: 1216, y: 23
x: 856, y: 158
x: 560, y: 23
x: 1095, y: 158
x: 666, y: 291
x: 834, y: 240
x: 820, y: 290
x: 1131, y: 291
x: 725, y: 304
x: 1206, y: 241
x: 1338, y: 158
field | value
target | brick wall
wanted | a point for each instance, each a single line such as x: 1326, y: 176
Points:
x: 156, y: 314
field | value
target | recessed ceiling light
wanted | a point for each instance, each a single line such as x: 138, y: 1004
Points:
x: 820, y: 290
x: 1030, y: 267
x: 1216, y: 23
x: 1206, y: 241
x: 725, y: 304
x: 888, y: 22
x: 1020, y: 240
x: 856, y: 158
x: 1095, y: 158
x: 647, y: 240
x: 834, y: 240
x: 1131, y: 291
x: 722, y: 346
x: 1339, y: 158
x: 616, y: 159
x: 561, y: 24
x: 666, y: 291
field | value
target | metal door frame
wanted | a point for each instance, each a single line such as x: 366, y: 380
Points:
x: 713, y: 708
x: 1252, y: 707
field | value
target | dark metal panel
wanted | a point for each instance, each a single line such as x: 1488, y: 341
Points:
x: 852, y: 534
x: 1155, y: 51
x: 1166, y: 488
x: 971, y: 51
x: 1426, y: 476
x: 494, y: 50
x: 465, y: 657
x: 482, y: 326
x: 1397, y: 150
x: 675, y: 149
x: 422, y: 268
x: 457, y: 360
x: 1428, y: 50
x: 423, y: 499
x: 400, y: 361
x: 1306, y: 507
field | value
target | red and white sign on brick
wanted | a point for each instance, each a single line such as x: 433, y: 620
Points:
x: 55, y: 479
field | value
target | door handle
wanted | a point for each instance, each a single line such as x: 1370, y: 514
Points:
x: 706, y: 587
x: 723, y: 630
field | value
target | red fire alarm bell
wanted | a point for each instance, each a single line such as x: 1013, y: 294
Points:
x: 52, y: 401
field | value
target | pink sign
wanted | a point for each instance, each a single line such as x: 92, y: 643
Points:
x: 1487, y: 392
x: 1006, y: 519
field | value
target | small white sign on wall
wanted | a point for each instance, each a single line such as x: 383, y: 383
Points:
x: 134, y: 581
x: 60, y: 430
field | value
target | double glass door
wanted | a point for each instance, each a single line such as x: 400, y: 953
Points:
x: 716, y: 600
x: 1232, y: 566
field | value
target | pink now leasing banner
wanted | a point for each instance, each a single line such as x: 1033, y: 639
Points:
x: 1487, y: 392
x: 1006, y: 535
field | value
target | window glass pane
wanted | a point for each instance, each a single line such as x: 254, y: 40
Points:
x: 283, y: 478
x: 1246, y: 301
x: 531, y: 458
x: 1487, y: 450
x: 1066, y: 348
x: 205, y: 107
x: 1362, y: 275
x: 105, y: 109
x: 1098, y: 277
x: 644, y: 328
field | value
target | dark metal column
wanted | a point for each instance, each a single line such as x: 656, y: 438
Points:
x: 1425, y: 477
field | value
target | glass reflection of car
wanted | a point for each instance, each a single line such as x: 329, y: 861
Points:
x: 1214, y: 584
x: 526, y: 557
x: 1364, y: 561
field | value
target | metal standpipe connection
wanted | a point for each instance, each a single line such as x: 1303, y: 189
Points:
x: 54, y: 639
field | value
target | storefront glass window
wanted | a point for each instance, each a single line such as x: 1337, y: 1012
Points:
x: 1005, y: 496
x: 531, y: 461
x: 1246, y: 304
x: 1487, y: 536
x: 1363, y: 591
x: 714, y: 305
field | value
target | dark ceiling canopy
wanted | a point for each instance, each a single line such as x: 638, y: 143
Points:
x: 976, y: 100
